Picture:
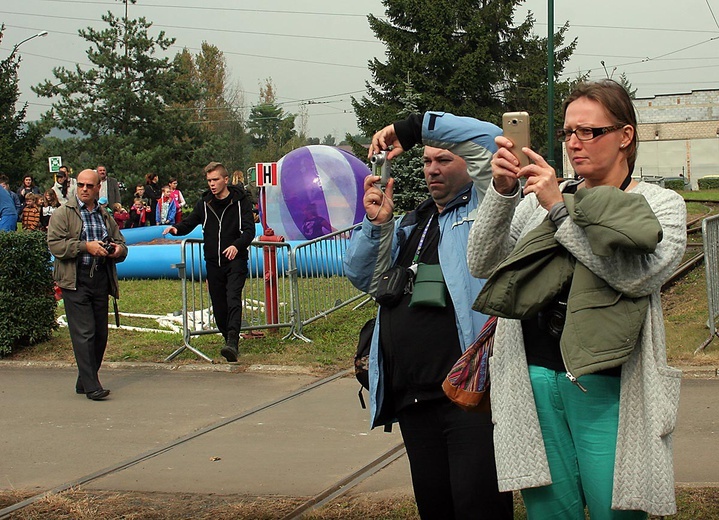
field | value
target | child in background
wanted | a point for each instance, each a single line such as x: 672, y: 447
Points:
x: 140, y: 193
x: 102, y: 201
x: 31, y: 214
x: 177, y: 196
x: 50, y: 204
x: 120, y: 215
x: 138, y: 213
x: 166, y: 207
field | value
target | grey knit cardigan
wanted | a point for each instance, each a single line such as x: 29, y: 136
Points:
x: 649, y: 395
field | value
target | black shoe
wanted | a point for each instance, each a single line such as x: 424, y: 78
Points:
x: 230, y: 353
x: 79, y: 390
x: 98, y: 395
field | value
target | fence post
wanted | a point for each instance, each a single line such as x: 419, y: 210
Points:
x: 710, y: 237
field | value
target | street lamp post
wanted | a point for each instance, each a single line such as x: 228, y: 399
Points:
x: 14, y: 49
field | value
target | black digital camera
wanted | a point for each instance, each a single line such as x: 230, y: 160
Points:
x: 552, y: 318
x: 109, y: 245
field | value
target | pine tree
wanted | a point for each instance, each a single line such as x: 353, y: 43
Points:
x: 128, y: 104
x: 271, y: 130
x: 462, y: 56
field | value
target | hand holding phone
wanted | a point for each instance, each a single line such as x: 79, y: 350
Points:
x: 515, y: 127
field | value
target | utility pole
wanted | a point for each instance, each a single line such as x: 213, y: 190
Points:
x: 550, y: 84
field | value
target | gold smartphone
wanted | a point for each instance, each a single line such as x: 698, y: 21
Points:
x: 515, y: 126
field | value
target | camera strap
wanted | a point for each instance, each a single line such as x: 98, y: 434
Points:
x: 415, y: 260
x: 626, y: 182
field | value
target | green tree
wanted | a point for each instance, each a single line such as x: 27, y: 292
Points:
x: 624, y: 82
x: 126, y: 104
x: 272, y: 131
x: 461, y: 56
x: 215, y: 111
x: 18, y: 139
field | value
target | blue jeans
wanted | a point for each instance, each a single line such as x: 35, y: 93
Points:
x: 580, y: 436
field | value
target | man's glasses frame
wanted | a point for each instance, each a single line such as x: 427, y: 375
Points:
x: 87, y: 185
x: 586, y: 133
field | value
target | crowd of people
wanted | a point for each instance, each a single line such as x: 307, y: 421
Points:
x: 151, y: 204
x: 583, y: 402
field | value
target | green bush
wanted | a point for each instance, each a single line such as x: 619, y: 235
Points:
x: 674, y: 184
x: 27, y: 297
x: 709, y: 183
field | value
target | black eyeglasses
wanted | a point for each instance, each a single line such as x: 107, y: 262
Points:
x: 87, y: 185
x: 585, y: 133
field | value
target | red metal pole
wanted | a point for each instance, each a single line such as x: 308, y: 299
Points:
x: 269, y: 253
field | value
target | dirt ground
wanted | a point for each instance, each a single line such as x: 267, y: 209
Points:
x: 692, y: 503
x: 81, y: 505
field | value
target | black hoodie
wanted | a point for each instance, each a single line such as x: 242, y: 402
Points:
x: 234, y: 226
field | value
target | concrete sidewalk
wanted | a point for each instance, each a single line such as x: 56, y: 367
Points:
x: 50, y: 436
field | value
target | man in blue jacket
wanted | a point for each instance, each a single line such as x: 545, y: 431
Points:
x: 228, y: 227
x: 450, y: 451
x: 8, y: 211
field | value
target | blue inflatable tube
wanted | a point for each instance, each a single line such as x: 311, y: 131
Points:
x: 156, y: 260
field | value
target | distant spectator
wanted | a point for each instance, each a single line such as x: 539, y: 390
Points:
x: 65, y: 187
x: 138, y: 213
x: 177, y: 196
x: 120, y: 215
x: 27, y: 186
x: 49, y: 205
x: 5, y: 183
x: 152, y: 194
x: 109, y: 187
x: 31, y: 213
x: 8, y: 212
x: 102, y: 203
x: 166, y: 207
x: 140, y: 193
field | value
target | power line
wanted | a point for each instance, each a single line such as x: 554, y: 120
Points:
x: 214, y: 29
x: 712, y: 12
x: 206, y: 8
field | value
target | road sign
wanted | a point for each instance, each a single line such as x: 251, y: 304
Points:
x: 54, y: 163
x: 266, y: 174
x: 251, y: 175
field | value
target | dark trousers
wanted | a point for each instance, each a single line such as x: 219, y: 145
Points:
x: 86, y: 310
x: 451, y: 456
x: 225, y: 284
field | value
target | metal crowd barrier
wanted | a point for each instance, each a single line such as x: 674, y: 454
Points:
x: 322, y: 287
x: 710, y: 237
x: 287, y: 287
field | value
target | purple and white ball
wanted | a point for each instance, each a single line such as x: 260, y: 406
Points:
x: 320, y: 189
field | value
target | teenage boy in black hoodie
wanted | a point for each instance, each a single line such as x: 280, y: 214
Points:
x: 225, y: 213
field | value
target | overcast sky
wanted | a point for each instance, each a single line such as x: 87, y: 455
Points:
x: 316, y: 51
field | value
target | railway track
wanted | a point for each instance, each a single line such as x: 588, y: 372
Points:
x: 337, y: 489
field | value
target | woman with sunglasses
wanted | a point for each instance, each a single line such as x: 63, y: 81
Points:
x: 583, y: 400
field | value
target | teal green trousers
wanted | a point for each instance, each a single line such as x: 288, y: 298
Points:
x: 580, y: 435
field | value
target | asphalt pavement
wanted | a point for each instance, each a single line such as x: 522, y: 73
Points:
x: 215, y: 429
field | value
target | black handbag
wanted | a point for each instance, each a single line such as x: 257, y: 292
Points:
x: 393, y: 284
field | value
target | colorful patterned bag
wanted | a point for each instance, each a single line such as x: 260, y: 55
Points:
x: 467, y: 384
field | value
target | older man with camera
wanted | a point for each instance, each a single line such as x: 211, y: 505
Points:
x: 86, y: 244
x: 420, y: 334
